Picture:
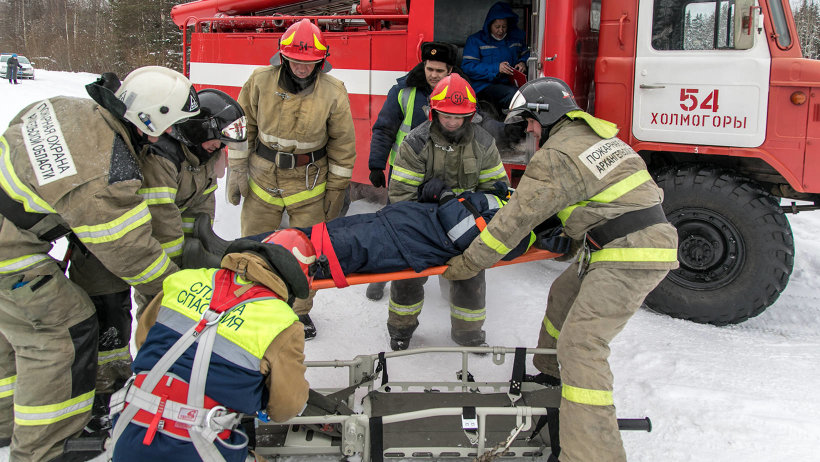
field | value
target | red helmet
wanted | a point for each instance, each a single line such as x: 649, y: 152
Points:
x: 303, y: 41
x: 453, y: 96
x: 298, y: 244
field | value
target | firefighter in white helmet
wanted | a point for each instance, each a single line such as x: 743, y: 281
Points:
x: 68, y: 165
x: 607, y: 200
x: 301, y: 142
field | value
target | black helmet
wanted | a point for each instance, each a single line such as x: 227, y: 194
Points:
x: 220, y: 118
x: 546, y: 99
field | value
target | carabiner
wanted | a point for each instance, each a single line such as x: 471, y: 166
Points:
x: 315, y: 177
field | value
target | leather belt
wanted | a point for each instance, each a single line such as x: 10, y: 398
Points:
x: 287, y: 159
x: 625, y: 224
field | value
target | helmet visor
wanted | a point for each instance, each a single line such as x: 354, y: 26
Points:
x: 235, y: 134
x: 196, y: 131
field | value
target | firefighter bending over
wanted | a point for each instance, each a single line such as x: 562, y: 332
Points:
x: 222, y: 343
x: 601, y: 190
x: 68, y: 165
x: 301, y: 142
x: 464, y: 156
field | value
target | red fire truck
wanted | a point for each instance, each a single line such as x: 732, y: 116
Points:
x: 714, y: 94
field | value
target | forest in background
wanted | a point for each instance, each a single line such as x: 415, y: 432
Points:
x: 120, y: 35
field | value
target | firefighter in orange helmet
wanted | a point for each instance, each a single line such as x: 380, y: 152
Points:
x: 250, y: 361
x: 301, y: 142
x: 463, y: 155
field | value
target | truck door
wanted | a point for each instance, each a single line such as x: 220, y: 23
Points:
x: 693, y: 83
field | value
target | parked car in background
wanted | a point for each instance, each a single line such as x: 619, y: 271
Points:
x: 27, y: 72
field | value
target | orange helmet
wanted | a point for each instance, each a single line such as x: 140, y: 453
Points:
x: 298, y: 244
x: 303, y: 41
x: 453, y: 96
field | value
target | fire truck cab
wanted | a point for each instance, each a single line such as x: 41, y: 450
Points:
x: 714, y: 94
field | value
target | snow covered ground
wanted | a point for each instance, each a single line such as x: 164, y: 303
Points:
x: 739, y: 393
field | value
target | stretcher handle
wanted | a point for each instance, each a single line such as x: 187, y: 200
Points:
x: 366, y: 278
x: 643, y: 425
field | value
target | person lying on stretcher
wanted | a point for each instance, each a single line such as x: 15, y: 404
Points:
x: 416, y: 235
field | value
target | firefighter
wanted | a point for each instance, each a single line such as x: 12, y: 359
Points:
x: 606, y: 198
x: 178, y: 184
x: 465, y: 157
x: 249, y: 356
x: 68, y: 165
x: 301, y: 142
x: 404, y: 109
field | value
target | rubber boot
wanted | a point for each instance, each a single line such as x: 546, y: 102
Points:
x: 469, y: 338
x: 400, y: 337
x: 310, y: 328
x: 205, y: 233
x: 194, y: 255
x: 375, y: 291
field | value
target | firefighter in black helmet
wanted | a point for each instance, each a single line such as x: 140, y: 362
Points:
x: 610, y: 206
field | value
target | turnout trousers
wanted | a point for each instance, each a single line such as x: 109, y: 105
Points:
x: 48, y: 359
x: 583, y: 315
x: 263, y: 208
x: 467, y: 307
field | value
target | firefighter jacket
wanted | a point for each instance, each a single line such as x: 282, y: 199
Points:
x: 257, y: 361
x: 415, y: 235
x: 588, y: 180
x: 317, y: 118
x: 403, y: 110
x: 473, y: 164
x: 68, y: 163
x: 483, y: 53
x: 179, y: 184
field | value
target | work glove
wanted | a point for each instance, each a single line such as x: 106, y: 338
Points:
x: 377, y: 177
x: 334, y: 201
x: 553, y: 240
x: 460, y: 268
x: 238, y: 186
x: 432, y: 190
x: 502, y: 190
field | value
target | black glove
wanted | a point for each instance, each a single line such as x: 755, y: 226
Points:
x: 502, y: 190
x: 432, y: 190
x: 377, y: 177
x: 550, y: 236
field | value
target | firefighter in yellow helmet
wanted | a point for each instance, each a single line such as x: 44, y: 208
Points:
x: 464, y: 156
x: 68, y: 165
x: 301, y: 142
x: 605, y: 198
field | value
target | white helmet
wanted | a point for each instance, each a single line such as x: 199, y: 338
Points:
x: 156, y: 97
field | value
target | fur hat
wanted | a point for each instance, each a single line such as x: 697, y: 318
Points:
x: 439, y: 51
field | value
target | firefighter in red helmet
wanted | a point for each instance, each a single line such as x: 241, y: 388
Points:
x: 301, y: 142
x: 461, y: 156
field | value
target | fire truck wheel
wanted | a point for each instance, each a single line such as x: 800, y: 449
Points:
x: 735, y: 249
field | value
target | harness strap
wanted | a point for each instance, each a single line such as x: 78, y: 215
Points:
x: 519, y: 366
x: 625, y: 224
x: 479, y: 220
x: 320, y: 239
x: 17, y: 214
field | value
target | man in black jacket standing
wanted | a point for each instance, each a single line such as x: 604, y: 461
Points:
x: 12, y: 65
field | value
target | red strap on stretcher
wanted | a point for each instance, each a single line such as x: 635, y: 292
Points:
x: 224, y: 294
x: 322, y: 245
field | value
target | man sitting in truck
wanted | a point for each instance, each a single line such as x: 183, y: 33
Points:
x: 493, y: 54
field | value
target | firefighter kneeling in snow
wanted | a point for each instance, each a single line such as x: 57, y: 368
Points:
x: 224, y: 342
x: 606, y: 199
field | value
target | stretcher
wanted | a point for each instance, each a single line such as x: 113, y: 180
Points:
x: 532, y: 254
x: 379, y: 419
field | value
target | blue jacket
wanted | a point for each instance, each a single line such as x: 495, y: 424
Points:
x: 415, y: 235
x: 483, y: 53
x: 391, y: 115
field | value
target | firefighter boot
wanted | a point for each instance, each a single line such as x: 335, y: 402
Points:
x: 375, y: 291
x: 400, y: 336
x: 469, y: 338
x: 205, y: 233
x: 194, y: 255
x: 310, y: 328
